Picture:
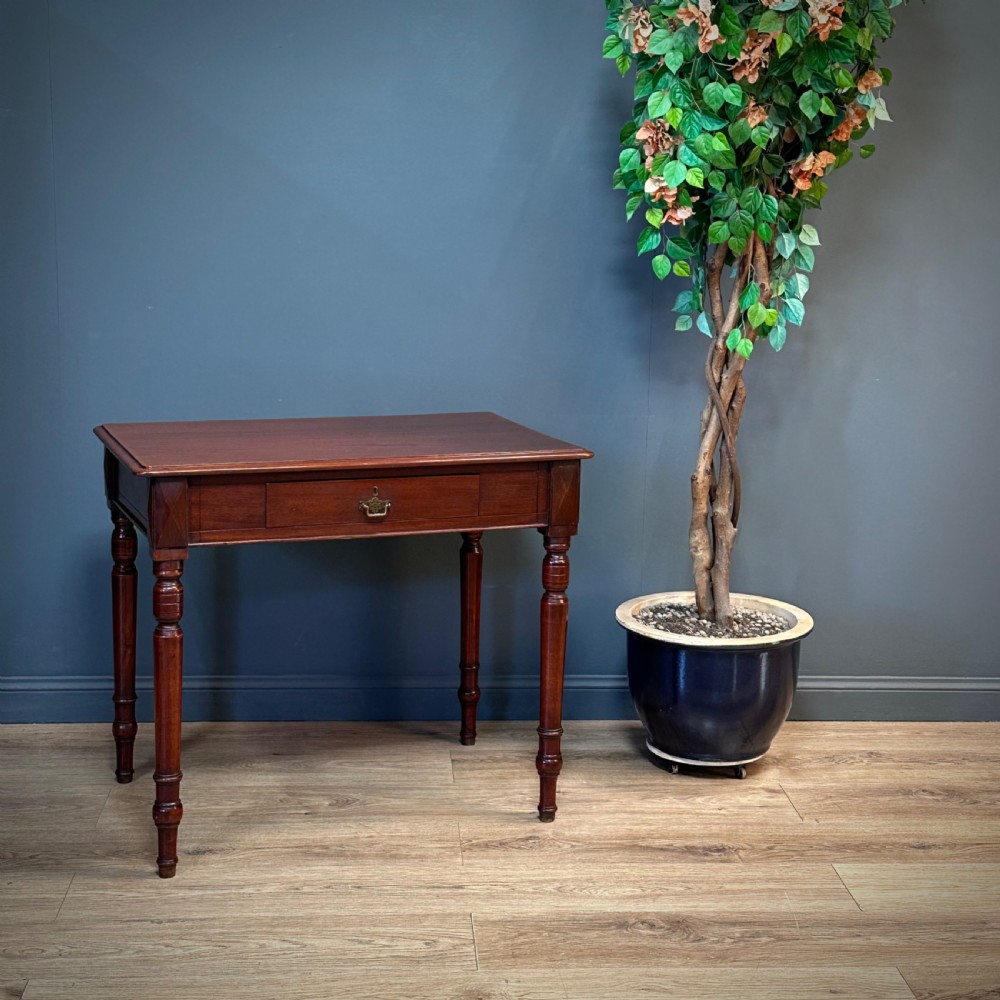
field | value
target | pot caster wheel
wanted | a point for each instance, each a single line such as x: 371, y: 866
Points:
x: 672, y: 767
x: 739, y: 772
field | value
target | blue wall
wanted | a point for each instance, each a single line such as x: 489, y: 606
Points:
x: 263, y: 209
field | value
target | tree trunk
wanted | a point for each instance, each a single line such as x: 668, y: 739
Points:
x: 715, y: 482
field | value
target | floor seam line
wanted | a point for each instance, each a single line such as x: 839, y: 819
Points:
x: 848, y: 888
x: 475, y: 944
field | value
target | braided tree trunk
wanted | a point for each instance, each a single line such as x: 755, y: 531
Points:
x: 715, y: 483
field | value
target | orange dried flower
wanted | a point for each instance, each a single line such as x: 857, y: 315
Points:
x: 708, y: 33
x: 638, y: 28
x: 854, y: 115
x: 871, y: 80
x: 754, y: 114
x: 753, y: 56
x: 825, y: 16
x: 810, y: 168
x: 659, y: 190
x: 655, y: 137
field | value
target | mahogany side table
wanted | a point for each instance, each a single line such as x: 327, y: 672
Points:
x: 228, y: 481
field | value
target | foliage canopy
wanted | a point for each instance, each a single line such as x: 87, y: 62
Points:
x: 742, y: 108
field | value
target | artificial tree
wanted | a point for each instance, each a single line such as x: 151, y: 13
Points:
x: 742, y: 107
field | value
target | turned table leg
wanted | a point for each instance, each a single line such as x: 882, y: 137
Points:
x: 123, y: 610
x: 168, y: 651
x: 555, y: 614
x: 471, y: 559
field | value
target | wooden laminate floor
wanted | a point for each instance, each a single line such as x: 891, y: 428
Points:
x: 386, y: 861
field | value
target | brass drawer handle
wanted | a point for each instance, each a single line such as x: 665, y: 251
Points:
x: 375, y: 507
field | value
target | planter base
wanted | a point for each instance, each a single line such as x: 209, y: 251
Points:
x: 712, y: 702
x: 699, y: 763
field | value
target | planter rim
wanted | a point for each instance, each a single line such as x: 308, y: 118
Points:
x: 800, y: 622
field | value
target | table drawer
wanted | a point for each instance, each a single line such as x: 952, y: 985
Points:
x: 339, y: 501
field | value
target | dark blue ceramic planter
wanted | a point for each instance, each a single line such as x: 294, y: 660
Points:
x: 712, y: 702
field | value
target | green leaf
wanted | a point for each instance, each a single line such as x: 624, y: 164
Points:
x: 809, y: 104
x: 805, y: 259
x: 712, y: 123
x: 660, y: 42
x: 659, y: 104
x: 723, y: 206
x: 690, y: 158
x: 794, y: 311
x: 617, y: 181
x: 881, y: 111
x: 739, y: 131
x: 678, y: 248
x: 867, y: 151
x: 629, y: 159
x: 714, y: 96
x: 756, y: 314
x: 654, y: 216
x: 764, y: 231
x: 827, y: 107
x: 691, y: 125
x: 675, y: 173
x: 729, y: 22
x: 776, y: 335
x: 624, y: 63
x: 725, y: 159
x: 643, y: 85
x: 797, y: 25
x: 634, y: 201
x: 815, y: 195
x: 785, y: 244
x: 797, y: 286
x: 734, y: 338
x: 880, y: 22
x: 696, y: 177
x: 809, y: 236
x: 674, y: 59
x: 717, y: 180
x: 684, y: 302
x: 761, y: 135
x: 771, y: 23
x: 751, y: 294
x: 649, y: 239
x: 784, y: 43
x: 745, y: 347
x: 741, y: 224
x: 702, y: 323
x: 773, y: 164
x: 682, y: 269
x: 751, y: 199
x: 661, y: 266
x: 612, y: 47
x: 680, y: 94
x: 733, y: 94
x: 771, y: 317
x: 674, y: 116
x: 769, y: 209
x: 737, y: 245
x: 683, y: 323
x: 718, y: 232
x: 842, y: 78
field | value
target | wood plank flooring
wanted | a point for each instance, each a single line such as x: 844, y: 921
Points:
x: 376, y: 860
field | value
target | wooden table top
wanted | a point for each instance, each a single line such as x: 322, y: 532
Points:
x: 192, y: 448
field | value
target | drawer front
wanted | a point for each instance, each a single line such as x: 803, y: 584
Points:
x: 339, y: 501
